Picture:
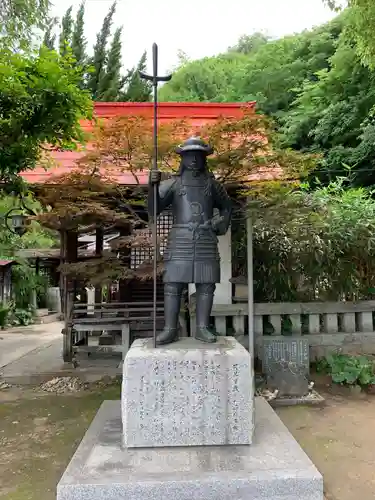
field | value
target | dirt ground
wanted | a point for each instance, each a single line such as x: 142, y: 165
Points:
x: 39, y: 433
x: 338, y: 438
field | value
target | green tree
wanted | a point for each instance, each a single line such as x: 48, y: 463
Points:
x: 78, y: 37
x: 209, y: 79
x: 99, y: 60
x: 316, y: 245
x: 271, y: 73
x: 25, y: 281
x: 361, y: 19
x: 18, y: 20
x: 40, y: 104
x: 136, y: 89
x: 66, y: 31
x: 49, y: 39
x: 249, y: 43
x: 110, y: 83
x: 35, y: 237
x: 334, y: 115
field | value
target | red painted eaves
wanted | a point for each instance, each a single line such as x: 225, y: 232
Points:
x: 197, y: 114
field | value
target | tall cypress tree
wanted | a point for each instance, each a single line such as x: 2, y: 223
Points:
x: 66, y: 31
x: 78, y: 38
x: 110, y: 82
x: 136, y: 89
x: 99, y: 60
x: 49, y: 39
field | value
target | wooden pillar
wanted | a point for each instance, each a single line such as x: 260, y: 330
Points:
x: 34, y: 298
x: 62, y: 283
x: 99, y: 243
x: 250, y: 279
x: 223, y: 292
x: 124, y: 287
x: 2, y: 283
x: 69, y: 254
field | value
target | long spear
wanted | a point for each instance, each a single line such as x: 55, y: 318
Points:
x: 155, y: 79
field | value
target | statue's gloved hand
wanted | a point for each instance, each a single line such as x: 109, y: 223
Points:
x: 217, y: 223
x: 193, y: 226
x: 207, y: 225
x: 155, y: 177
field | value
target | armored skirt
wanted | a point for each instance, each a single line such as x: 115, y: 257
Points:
x: 191, y: 256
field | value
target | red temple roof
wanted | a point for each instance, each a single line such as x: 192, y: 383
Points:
x: 197, y: 114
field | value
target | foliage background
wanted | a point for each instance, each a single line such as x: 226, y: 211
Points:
x: 313, y: 242
x: 24, y: 278
x: 92, y: 196
x: 313, y: 84
x: 312, y: 245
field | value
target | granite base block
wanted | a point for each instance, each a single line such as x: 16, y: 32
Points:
x: 187, y: 394
x: 273, y: 467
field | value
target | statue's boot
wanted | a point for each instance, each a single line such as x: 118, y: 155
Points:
x: 167, y: 336
x: 204, y: 301
x: 172, y: 303
x: 205, y: 335
x: 213, y: 330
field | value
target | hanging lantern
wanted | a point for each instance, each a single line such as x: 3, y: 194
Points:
x: 19, y: 223
x: 17, y: 219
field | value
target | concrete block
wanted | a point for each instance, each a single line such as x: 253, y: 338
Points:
x: 274, y: 467
x: 187, y: 394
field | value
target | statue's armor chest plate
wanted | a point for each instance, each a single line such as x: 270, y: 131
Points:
x: 193, y: 200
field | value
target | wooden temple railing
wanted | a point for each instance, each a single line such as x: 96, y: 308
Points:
x: 329, y: 326
x: 108, y: 320
x: 117, y: 323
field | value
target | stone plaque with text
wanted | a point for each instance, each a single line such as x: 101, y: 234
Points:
x: 187, y: 394
x: 286, y: 364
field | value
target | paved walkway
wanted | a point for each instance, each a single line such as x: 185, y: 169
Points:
x: 33, y: 354
x: 18, y: 342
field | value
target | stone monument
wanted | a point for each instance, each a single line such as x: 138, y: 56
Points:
x: 188, y: 426
x: 185, y: 428
x: 286, y: 364
x: 189, y: 394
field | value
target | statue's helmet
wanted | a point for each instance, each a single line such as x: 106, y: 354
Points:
x: 194, y: 144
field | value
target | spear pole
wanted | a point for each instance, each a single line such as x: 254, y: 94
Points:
x: 155, y: 79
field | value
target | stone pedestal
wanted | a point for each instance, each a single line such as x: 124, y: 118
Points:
x: 187, y: 394
x: 274, y: 467
x: 175, y: 399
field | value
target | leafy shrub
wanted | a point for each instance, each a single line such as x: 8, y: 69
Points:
x: 23, y: 317
x: 24, y: 282
x: 312, y: 245
x: 347, y: 369
x: 20, y: 317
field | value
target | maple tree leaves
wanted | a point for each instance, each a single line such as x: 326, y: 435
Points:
x: 109, y: 186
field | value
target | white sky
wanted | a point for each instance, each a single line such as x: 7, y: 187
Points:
x: 197, y: 27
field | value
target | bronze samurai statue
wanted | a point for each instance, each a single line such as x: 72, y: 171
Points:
x: 192, y: 254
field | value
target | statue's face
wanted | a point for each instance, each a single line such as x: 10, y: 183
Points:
x: 194, y: 160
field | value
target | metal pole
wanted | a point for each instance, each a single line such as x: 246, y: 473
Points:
x: 155, y: 167
x: 250, y: 284
x: 155, y: 79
